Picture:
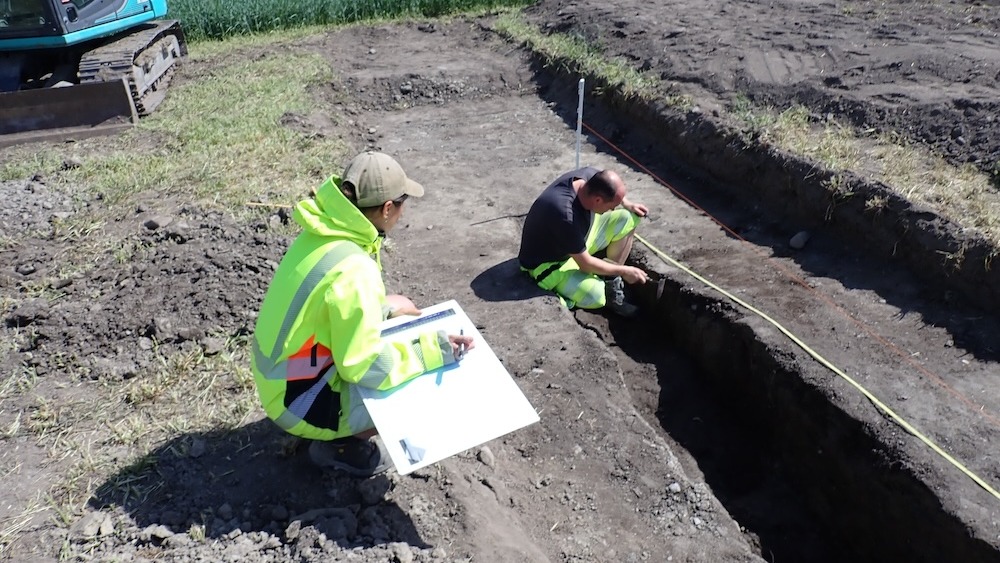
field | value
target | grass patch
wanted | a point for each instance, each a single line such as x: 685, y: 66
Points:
x: 216, y: 19
x: 963, y: 194
x: 217, y: 140
x: 220, y: 138
x: 580, y: 55
x: 189, y: 393
x: 105, y: 436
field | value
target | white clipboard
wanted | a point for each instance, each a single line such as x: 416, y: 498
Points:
x: 449, y: 410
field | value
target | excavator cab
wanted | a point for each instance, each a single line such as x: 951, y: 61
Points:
x: 20, y: 16
x: 82, y: 66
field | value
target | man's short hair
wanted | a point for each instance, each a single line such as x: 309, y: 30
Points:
x: 601, y: 185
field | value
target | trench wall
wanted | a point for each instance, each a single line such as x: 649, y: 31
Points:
x: 845, y: 473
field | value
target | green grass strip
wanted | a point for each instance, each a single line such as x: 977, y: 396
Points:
x: 578, y: 55
x: 216, y: 19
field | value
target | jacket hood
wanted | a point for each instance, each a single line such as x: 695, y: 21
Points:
x: 330, y: 214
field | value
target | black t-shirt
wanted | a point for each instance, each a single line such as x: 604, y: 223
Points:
x: 557, y: 224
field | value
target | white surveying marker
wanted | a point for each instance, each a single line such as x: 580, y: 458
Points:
x: 579, y: 121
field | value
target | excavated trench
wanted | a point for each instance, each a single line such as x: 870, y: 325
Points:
x: 805, y: 478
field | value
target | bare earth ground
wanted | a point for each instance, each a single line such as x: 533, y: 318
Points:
x: 926, y: 70
x: 621, y: 466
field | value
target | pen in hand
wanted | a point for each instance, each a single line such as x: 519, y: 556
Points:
x: 461, y: 346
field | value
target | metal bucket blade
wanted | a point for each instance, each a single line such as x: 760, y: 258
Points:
x: 73, y: 112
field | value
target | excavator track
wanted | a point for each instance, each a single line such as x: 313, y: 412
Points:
x: 145, y: 58
x: 119, y: 81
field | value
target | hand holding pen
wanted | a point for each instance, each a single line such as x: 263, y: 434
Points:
x: 461, y: 344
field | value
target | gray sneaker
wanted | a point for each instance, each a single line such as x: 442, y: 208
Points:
x: 355, y: 456
x: 614, y: 290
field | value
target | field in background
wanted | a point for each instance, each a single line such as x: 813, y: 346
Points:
x: 218, y: 19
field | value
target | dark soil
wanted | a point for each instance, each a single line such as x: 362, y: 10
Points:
x: 700, y: 434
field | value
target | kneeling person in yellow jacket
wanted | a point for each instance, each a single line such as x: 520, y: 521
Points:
x: 318, y: 336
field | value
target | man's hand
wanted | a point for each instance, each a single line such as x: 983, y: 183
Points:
x: 460, y: 344
x: 634, y: 275
x: 637, y: 208
x: 400, y: 305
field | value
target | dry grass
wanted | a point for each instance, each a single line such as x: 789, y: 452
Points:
x: 582, y: 54
x: 963, y: 194
x: 106, y: 437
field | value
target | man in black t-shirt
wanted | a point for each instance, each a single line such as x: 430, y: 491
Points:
x: 573, y: 218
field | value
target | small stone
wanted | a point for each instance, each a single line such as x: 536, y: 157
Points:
x: 179, y: 540
x: 71, y: 163
x: 798, y: 242
x: 401, y: 552
x: 26, y: 269
x: 157, y: 222
x: 28, y: 312
x: 406, y: 88
x: 88, y: 526
x: 372, y: 130
x: 372, y: 51
x: 145, y: 343
x: 178, y: 232
x: 163, y: 328
x: 486, y: 456
x: 155, y: 532
x: 189, y: 333
x: 439, y: 553
x: 197, y: 448
x: 212, y: 346
x: 674, y: 488
x: 293, y: 529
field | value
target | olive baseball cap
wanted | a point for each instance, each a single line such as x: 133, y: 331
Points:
x: 378, y: 178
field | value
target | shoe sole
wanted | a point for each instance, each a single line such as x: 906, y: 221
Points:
x: 334, y: 465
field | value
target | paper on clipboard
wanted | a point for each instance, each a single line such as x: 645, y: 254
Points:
x: 449, y: 410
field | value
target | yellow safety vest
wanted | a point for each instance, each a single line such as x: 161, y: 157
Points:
x: 318, y: 333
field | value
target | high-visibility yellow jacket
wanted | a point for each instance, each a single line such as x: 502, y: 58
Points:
x: 318, y: 332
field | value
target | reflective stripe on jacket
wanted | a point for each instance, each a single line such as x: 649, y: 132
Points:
x: 318, y: 331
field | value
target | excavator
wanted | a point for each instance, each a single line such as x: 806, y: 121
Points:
x: 71, y: 69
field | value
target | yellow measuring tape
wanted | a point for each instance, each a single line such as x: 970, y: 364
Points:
x: 875, y: 400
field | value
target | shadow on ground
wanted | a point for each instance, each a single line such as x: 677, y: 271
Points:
x: 254, y: 478
x: 505, y: 282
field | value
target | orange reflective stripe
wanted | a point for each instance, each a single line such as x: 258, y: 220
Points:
x: 308, y: 362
